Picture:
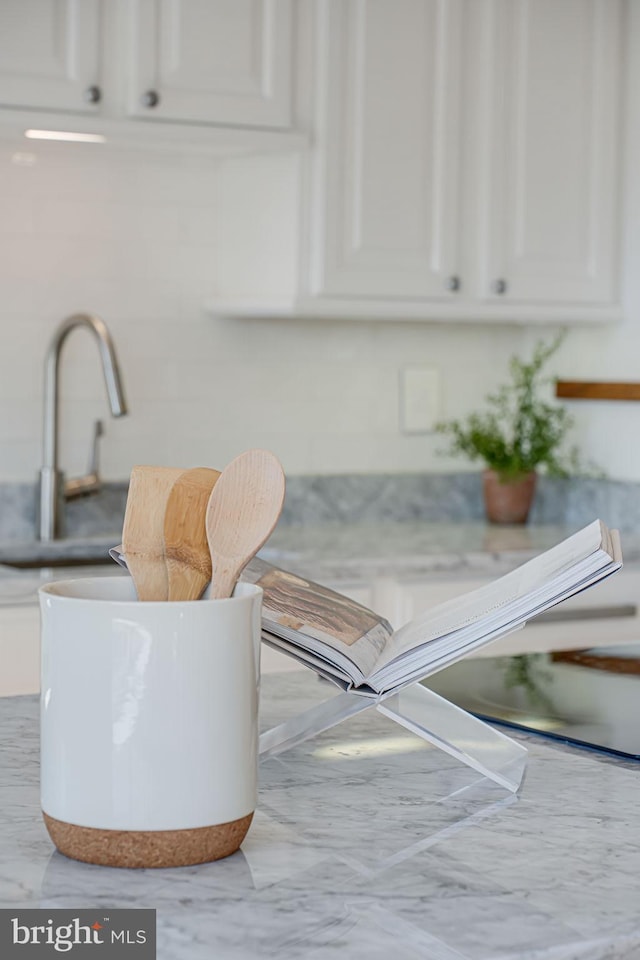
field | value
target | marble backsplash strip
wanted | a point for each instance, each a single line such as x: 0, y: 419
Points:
x: 455, y: 497
x: 431, y: 497
x: 399, y: 497
x: 84, y: 517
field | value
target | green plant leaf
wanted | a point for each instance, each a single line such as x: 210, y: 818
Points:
x: 520, y: 430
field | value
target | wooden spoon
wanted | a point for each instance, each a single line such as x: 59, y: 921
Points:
x: 143, y: 530
x: 185, y: 537
x: 243, y: 510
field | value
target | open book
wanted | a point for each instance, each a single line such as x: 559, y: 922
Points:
x: 355, y: 648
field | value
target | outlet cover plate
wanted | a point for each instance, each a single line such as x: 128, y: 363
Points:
x: 420, y: 400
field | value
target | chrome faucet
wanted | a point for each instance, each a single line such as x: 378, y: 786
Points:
x: 53, y: 489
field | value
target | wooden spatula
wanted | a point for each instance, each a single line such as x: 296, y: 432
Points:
x: 143, y: 530
x: 243, y: 510
x: 185, y: 537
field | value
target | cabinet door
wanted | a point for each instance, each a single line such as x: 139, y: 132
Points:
x: 211, y: 61
x: 386, y: 191
x: 49, y: 53
x: 552, y: 146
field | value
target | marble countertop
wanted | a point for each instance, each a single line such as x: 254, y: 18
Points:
x: 362, y: 551
x: 367, y: 843
x: 19, y: 588
x: 326, y: 552
x: 387, y: 548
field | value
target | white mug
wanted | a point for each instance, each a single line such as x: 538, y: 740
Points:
x: 149, y: 722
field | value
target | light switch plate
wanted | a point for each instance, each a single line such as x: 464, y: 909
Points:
x: 420, y: 402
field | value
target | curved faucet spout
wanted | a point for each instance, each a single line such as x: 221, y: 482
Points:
x: 51, y: 480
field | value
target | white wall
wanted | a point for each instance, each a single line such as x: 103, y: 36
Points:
x: 133, y: 237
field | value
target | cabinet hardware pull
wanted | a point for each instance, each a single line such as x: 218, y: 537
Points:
x: 92, y: 94
x: 500, y: 286
x: 453, y: 283
x: 150, y: 99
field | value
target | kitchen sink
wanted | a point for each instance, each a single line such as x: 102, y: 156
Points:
x: 36, y: 554
x: 60, y: 561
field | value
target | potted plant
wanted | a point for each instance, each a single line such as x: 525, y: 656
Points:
x: 519, y: 434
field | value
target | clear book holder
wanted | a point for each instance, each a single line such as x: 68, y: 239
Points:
x: 416, y: 708
x: 426, y: 714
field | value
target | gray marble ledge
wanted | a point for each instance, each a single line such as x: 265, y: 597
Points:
x: 367, y: 844
x: 339, y: 553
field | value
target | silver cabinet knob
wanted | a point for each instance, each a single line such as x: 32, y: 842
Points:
x: 92, y: 94
x: 150, y: 99
x: 453, y: 284
x: 499, y: 286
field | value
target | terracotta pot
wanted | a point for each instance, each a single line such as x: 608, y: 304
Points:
x: 509, y: 501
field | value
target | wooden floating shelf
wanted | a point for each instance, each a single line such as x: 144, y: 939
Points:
x: 583, y: 658
x: 588, y: 390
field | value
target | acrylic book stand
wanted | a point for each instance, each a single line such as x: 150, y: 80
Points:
x: 417, y: 708
x: 426, y: 714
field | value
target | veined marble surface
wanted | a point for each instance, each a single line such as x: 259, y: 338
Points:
x: 350, y: 552
x: 360, y: 499
x: 354, y: 551
x: 19, y: 588
x: 368, y: 844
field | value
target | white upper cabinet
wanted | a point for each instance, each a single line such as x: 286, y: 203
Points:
x: 222, y: 63
x: 389, y: 123
x: 50, y: 54
x: 211, y: 61
x: 466, y: 161
x: 551, y: 157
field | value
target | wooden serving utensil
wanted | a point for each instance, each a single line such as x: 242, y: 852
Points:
x: 143, y: 530
x: 187, y: 552
x: 243, y: 510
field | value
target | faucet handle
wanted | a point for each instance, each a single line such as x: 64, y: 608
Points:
x: 98, y: 431
x: 90, y: 483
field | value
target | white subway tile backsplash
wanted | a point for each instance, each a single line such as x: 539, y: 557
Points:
x: 125, y: 302
x: 17, y: 460
x: 19, y: 420
x: 17, y: 218
x: 198, y: 220
x: 133, y: 236
x: 20, y: 380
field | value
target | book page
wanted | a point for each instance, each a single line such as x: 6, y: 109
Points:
x: 431, y: 657
x: 324, y: 621
x: 487, y: 600
x: 350, y: 642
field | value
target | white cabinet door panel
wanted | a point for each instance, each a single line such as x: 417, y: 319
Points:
x: 49, y: 53
x: 552, y: 148
x: 212, y: 61
x: 390, y: 91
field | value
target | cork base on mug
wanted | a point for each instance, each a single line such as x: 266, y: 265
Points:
x: 147, y: 848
